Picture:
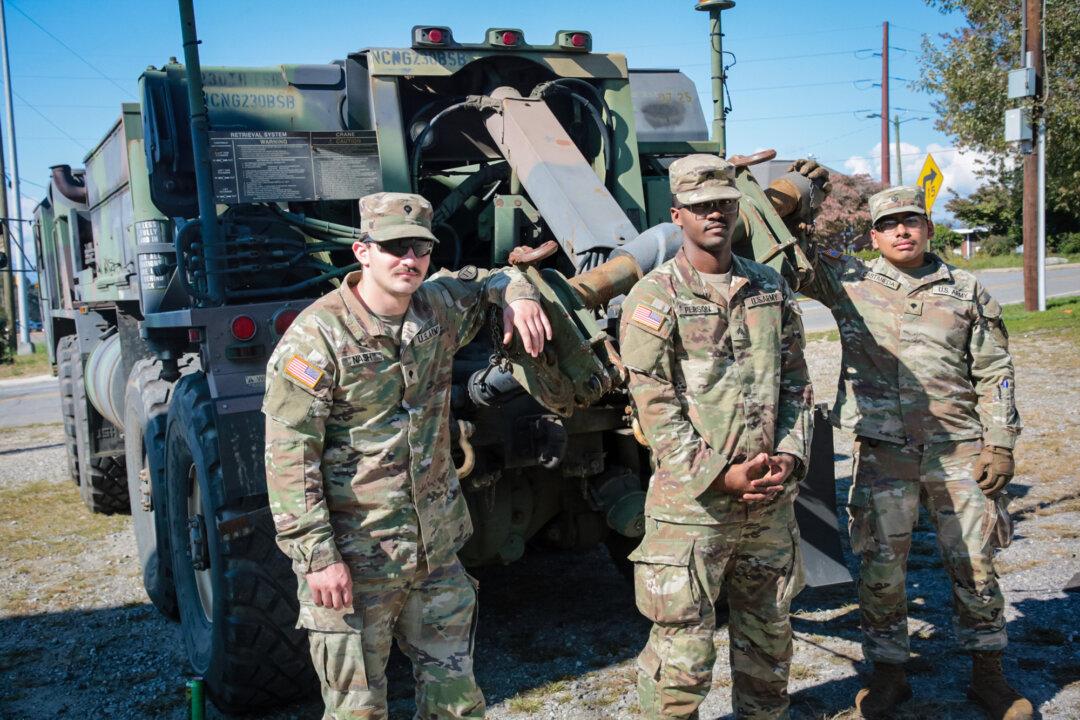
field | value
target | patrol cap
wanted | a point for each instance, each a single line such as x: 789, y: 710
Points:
x: 894, y: 200
x: 701, y: 178
x: 394, y: 215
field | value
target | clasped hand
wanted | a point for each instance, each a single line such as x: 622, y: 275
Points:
x: 759, y: 478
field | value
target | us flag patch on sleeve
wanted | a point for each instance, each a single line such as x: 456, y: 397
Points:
x: 303, y: 372
x: 647, y: 317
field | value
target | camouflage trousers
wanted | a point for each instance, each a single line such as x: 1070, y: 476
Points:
x: 432, y: 616
x: 680, y: 572
x: 883, y: 508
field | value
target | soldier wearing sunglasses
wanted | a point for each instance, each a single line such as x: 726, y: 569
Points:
x: 927, y: 388
x: 362, y: 487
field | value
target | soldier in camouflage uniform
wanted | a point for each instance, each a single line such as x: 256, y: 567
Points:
x: 714, y: 347
x: 361, y: 483
x: 926, y: 385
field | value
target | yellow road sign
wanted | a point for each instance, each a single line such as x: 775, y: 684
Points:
x: 930, y: 179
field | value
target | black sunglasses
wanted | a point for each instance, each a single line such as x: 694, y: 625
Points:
x: 891, y: 223
x: 707, y: 208
x: 402, y: 246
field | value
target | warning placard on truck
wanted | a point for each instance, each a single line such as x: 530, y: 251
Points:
x: 279, y: 166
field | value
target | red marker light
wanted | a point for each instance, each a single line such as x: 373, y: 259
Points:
x: 283, y: 320
x: 509, y: 38
x: 435, y: 35
x: 243, y: 328
x: 578, y: 40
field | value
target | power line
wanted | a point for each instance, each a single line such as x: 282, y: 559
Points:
x: 733, y: 119
x: 70, y: 49
x: 31, y: 182
x: 46, y: 118
x: 24, y: 76
x: 67, y: 106
x: 741, y: 38
x: 793, y: 86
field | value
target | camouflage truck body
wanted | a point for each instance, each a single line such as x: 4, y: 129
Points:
x: 168, y: 329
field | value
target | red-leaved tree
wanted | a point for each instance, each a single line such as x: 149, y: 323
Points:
x: 844, y: 215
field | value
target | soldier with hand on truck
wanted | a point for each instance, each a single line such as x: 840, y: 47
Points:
x: 362, y: 487
x: 714, y: 347
x: 927, y: 387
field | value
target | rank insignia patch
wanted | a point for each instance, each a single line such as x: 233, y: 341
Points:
x: 303, y: 372
x: 647, y: 317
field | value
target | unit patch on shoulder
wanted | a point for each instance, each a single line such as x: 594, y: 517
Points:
x: 427, y: 333
x: 689, y: 309
x: 953, y: 291
x: 303, y: 372
x: 647, y: 317
x: 765, y: 299
x: 467, y: 273
x: 883, y: 280
x: 364, y: 357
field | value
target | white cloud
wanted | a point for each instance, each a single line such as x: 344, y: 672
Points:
x: 958, y: 169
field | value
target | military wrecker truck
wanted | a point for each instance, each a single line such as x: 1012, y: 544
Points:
x: 220, y: 205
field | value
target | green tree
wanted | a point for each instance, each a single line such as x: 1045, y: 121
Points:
x: 966, y: 71
x: 994, y: 206
x: 944, y: 240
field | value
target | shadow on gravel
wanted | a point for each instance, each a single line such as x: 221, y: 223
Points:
x: 550, y: 617
x: 1043, y: 642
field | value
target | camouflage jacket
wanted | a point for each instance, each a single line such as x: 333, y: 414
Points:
x: 924, y: 360
x: 713, y: 381
x: 357, y: 428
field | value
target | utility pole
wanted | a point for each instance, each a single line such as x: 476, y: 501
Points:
x: 1032, y: 56
x: 896, y: 125
x: 885, y: 104
x: 5, y: 246
x: 24, y: 346
x: 716, y: 58
x: 899, y: 169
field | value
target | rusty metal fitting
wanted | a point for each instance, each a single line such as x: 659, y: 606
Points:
x: 599, y: 285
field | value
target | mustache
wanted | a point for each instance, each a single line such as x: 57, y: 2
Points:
x: 713, y: 225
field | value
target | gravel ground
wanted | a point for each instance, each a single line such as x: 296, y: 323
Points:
x: 558, y: 632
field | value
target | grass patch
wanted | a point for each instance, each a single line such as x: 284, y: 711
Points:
x: 532, y: 701
x: 43, y: 518
x: 36, y: 363
x: 1062, y: 315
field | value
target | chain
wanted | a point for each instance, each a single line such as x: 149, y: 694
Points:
x: 810, y: 227
x: 499, y: 358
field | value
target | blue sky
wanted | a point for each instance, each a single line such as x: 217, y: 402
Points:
x: 802, y: 84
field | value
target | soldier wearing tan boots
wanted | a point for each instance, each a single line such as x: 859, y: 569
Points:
x: 927, y: 387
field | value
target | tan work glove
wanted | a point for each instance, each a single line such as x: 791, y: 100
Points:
x: 814, y: 172
x: 994, y: 468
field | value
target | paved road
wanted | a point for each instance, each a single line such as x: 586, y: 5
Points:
x: 1005, y: 285
x: 33, y: 400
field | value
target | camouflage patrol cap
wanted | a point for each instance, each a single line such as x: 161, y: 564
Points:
x: 701, y: 178
x: 393, y: 215
x: 894, y: 200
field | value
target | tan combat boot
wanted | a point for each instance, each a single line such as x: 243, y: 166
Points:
x: 888, y: 687
x: 992, y: 692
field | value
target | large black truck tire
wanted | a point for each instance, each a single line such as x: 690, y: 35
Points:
x: 146, y: 408
x: 67, y: 354
x: 102, y: 480
x: 237, y: 595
